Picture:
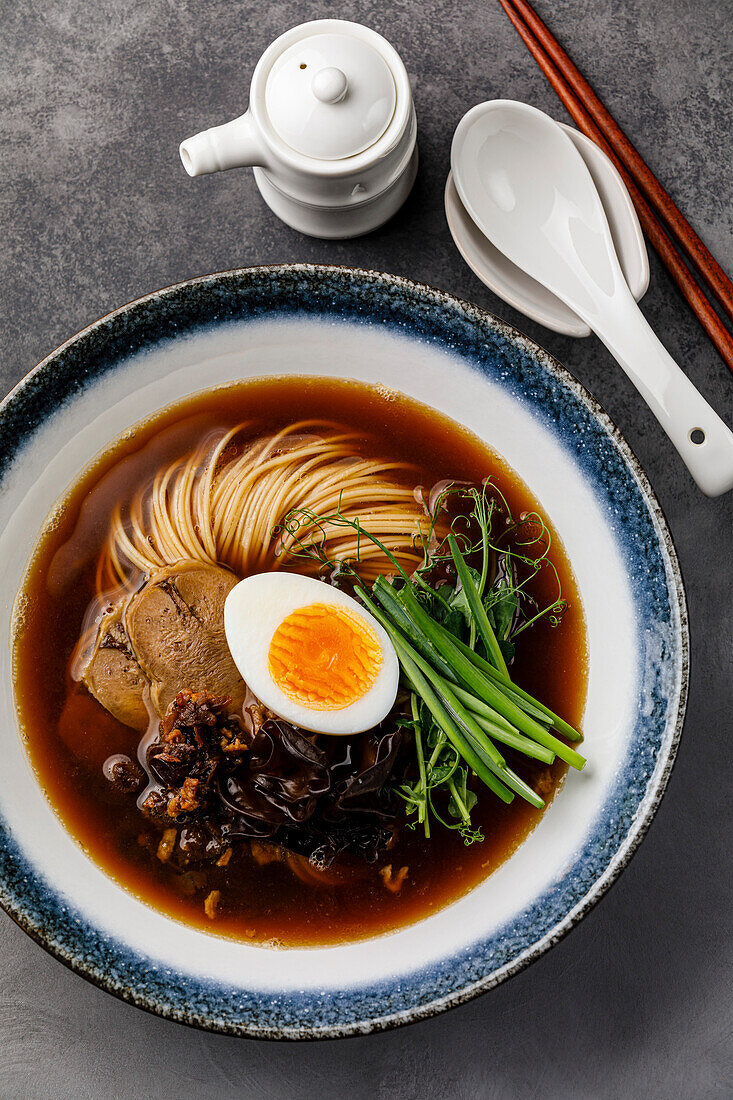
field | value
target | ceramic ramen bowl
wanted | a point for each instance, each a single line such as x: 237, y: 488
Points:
x: 469, y: 365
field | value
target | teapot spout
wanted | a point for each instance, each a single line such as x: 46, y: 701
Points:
x: 236, y: 144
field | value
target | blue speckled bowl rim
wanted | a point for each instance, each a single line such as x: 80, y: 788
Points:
x: 350, y: 294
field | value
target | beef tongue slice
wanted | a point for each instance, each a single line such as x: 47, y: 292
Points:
x: 175, y: 624
x: 113, y: 674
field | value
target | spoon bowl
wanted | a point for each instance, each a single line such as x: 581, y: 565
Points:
x: 522, y: 291
x: 526, y: 185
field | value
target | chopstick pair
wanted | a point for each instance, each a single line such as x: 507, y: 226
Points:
x: 653, y: 204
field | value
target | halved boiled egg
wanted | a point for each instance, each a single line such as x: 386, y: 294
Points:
x: 311, y: 653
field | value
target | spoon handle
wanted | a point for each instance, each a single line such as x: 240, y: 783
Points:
x: 702, y: 439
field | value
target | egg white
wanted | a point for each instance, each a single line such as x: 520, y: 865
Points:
x: 254, y: 610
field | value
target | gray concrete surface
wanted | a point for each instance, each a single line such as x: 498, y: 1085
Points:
x: 96, y: 210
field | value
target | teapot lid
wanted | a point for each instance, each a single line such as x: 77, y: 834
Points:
x: 330, y: 96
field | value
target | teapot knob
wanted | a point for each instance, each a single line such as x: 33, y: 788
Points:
x: 330, y: 85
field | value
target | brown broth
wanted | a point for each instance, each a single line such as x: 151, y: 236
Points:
x: 265, y: 903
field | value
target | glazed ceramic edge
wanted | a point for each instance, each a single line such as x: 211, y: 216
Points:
x: 370, y: 297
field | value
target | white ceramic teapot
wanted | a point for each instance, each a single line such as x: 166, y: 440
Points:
x: 330, y: 131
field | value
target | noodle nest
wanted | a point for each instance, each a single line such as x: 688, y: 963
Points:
x: 225, y: 502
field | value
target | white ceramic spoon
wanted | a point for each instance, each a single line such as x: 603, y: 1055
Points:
x: 526, y: 186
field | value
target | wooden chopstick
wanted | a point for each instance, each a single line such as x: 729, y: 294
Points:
x: 653, y: 229
x: 658, y: 198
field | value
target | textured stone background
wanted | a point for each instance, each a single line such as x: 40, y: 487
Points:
x: 96, y: 210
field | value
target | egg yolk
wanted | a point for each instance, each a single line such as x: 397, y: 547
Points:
x: 324, y: 656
